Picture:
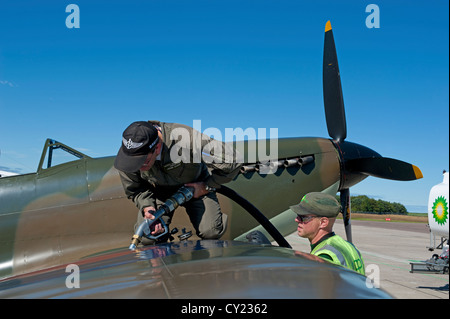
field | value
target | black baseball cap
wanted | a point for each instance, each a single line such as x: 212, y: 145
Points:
x: 138, y: 140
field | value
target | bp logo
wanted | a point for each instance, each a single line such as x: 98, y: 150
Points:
x: 440, y: 210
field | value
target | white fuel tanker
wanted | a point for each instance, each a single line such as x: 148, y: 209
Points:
x: 438, y: 210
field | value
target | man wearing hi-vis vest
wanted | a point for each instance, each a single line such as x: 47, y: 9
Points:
x: 316, y: 214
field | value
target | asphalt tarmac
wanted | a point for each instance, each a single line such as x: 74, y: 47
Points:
x: 388, y: 248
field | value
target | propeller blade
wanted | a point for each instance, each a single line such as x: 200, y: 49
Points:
x: 346, y: 213
x: 332, y: 89
x: 384, y: 167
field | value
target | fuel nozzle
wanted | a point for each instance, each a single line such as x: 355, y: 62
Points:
x: 183, y: 195
x: 135, y: 241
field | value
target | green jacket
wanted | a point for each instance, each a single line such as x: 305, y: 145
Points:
x: 336, y: 250
x: 185, y: 157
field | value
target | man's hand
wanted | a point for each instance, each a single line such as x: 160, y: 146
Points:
x: 157, y: 227
x: 199, y: 189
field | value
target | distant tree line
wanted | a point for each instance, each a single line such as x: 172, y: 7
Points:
x: 364, y: 204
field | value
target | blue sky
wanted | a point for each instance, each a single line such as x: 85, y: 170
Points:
x: 250, y: 64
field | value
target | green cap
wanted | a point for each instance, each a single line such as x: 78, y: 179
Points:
x: 318, y: 204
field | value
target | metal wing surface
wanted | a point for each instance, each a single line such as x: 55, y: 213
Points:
x: 211, y: 269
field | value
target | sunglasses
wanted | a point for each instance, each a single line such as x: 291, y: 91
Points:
x: 305, y: 219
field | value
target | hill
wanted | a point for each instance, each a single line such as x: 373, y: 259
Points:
x: 364, y: 204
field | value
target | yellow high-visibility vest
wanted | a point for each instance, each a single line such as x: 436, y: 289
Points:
x: 341, y: 253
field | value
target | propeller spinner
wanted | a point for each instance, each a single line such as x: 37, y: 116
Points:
x: 357, y: 161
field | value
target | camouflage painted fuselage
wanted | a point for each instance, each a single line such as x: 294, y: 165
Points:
x: 68, y: 211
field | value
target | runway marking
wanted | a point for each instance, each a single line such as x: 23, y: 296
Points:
x: 385, y: 257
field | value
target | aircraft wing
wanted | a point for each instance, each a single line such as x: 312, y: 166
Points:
x: 211, y: 269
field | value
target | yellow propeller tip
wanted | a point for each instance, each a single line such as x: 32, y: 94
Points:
x: 328, y: 26
x: 417, y: 172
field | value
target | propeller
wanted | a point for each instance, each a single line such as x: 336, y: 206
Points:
x: 357, y: 161
x: 332, y: 89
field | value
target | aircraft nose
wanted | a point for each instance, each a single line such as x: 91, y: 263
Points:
x: 359, y: 161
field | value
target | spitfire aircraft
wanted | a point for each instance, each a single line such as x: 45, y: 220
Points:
x: 76, y: 213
